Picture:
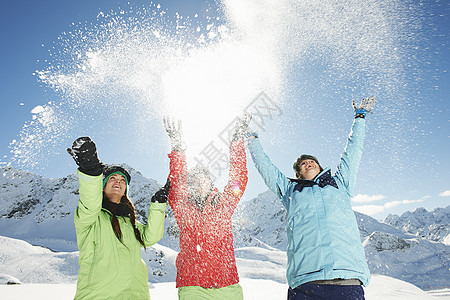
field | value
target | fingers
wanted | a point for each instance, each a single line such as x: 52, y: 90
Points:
x: 179, y: 126
x: 246, y: 118
x: 72, y: 154
x: 368, y: 103
x: 171, y: 126
x: 167, y: 185
x: 167, y: 125
x: 79, y: 142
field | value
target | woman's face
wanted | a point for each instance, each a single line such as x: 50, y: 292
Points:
x: 201, y: 185
x: 309, y: 169
x: 115, y: 187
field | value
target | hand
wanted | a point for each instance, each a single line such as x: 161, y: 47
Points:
x: 84, y: 152
x: 366, y: 106
x: 175, y: 134
x: 241, y: 127
x: 161, y: 195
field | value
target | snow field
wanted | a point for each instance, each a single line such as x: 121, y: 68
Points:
x: 381, y: 288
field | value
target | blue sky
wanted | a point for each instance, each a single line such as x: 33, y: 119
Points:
x: 311, y: 62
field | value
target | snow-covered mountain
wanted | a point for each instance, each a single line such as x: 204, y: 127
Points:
x: 40, y: 211
x: 433, y: 226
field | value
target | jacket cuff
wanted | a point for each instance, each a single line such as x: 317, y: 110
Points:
x: 87, y: 177
x: 158, y: 206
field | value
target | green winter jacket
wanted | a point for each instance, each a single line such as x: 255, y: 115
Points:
x: 110, y: 269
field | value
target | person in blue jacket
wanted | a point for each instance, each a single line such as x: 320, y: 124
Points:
x: 326, y: 259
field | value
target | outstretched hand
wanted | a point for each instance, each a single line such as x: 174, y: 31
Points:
x: 241, y: 127
x: 84, y: 152
x: 366, y: 106
x: 175, y: 134
x: 161, y: 195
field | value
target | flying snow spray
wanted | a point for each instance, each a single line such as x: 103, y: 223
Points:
x: 116, y: 78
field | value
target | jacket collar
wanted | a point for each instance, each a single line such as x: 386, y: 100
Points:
x: 117, y: 209
x: 323, y: 179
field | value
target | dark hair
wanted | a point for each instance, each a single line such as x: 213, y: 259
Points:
x: 296, y: 165
x: 132, y: 215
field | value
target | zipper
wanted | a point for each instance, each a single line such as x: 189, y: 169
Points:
x: 94, y: 258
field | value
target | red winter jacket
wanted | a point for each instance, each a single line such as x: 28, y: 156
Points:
x: 206, y: 255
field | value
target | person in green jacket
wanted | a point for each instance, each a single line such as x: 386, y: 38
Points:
x: 108, y: 235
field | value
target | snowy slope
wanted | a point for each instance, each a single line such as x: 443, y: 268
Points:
x: 385, y: 288
x: 34, y: 264
x: 42, y: 271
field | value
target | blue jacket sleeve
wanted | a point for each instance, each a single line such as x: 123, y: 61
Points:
x: 276, y: 181
x: 349, y: 164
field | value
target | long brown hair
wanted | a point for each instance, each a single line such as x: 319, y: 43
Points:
x: 115, y: 222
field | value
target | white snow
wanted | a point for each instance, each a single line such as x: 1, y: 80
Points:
x: 261, y: 274
x: 37, y: 110
x: 381, y: 288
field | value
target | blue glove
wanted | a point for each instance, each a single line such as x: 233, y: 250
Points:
x: 366, y: 106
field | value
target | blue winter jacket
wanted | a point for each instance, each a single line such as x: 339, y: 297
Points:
x: 323, y: 237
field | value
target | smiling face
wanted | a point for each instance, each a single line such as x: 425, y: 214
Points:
x: 115, y: 187
x: 309, y: 169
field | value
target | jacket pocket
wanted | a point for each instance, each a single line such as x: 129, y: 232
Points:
x: 103, y: 272
x: 304, y: 245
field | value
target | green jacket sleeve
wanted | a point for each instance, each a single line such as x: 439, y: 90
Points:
x: 153, y: 231
x: 90, y: 202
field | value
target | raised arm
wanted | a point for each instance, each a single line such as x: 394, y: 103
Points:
x: 153, y: 231
x: 237, y: 180
x: 90, y: 201
x: 178, y: 167
x: 237, y: 176
x: 90, y: 168
x: 350, y: 159
x: 275, y: 180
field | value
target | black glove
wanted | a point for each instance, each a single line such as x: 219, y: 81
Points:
x: 161, y: 195
x: 84, y: 153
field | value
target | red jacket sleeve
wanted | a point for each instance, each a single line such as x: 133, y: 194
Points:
x: 178, y: 195
x: 237, y: 180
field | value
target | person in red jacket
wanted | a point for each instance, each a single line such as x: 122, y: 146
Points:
x: 206, y: 265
